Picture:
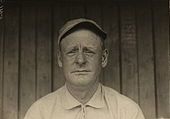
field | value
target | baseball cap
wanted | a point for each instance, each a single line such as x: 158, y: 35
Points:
x: 81, y: 23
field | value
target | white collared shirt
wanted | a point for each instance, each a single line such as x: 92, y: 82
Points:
x: 106, y: 103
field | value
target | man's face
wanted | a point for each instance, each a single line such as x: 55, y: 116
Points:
x: 82, y: 57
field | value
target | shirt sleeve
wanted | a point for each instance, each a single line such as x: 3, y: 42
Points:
x: 132, y: 111
x: 33, y: 112
x: 139, y: 114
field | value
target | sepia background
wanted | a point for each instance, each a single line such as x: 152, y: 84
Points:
x: 138, y: 44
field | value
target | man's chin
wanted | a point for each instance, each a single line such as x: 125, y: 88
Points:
x: 81, y: 82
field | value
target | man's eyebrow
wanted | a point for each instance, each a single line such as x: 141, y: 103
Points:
x: 72, y: 48
x: 90, y: 48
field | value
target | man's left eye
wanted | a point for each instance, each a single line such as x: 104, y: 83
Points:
x: 70, y: 52
x: 89, y: 52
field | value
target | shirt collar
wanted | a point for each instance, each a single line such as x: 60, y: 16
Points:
x: 97, y: 100
x: 69, y: 102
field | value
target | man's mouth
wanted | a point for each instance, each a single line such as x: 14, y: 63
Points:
x: 81, y: 71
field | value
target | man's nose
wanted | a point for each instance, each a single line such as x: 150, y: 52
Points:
x: 80, y: 59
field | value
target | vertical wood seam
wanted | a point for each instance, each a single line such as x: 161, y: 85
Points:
x: 84, y: 8
x: 36, y: 45
x: 120, y: 47
x: 52, y: 47
x: 137, y: 52
x: 3, y: 52
x: 19, y: 59
x: 154, y: 58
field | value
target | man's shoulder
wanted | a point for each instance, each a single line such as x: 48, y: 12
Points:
x: 121, y: 101
x: 50, y: 98
x: 44, y: 105
x: 126, y: 107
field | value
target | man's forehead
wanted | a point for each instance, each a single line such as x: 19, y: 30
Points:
x: 85, y: 37
x: 81, y: 38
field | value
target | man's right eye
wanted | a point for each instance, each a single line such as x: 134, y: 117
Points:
x: 71, y: 52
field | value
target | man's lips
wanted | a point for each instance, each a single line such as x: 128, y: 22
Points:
x: 81, y: 71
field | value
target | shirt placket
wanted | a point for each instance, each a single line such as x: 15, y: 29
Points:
x: 83, y: 111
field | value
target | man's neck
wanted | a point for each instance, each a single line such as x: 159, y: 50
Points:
x: 82, y: 94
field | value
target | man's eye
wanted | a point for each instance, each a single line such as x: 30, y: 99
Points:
x: 89, y: 52
x: 70, y: 52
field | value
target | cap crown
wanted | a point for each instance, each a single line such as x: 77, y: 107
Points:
x: 73, y: 23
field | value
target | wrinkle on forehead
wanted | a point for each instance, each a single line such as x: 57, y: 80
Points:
x: 82, y: 37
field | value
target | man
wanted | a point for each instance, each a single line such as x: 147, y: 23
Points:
x: 82, y: 55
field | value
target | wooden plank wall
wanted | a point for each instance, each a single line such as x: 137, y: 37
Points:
x: 10, y: 68
x: 138, y: 44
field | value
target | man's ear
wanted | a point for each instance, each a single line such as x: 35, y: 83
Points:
x: 59, y: 59
x: 104, y: 58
